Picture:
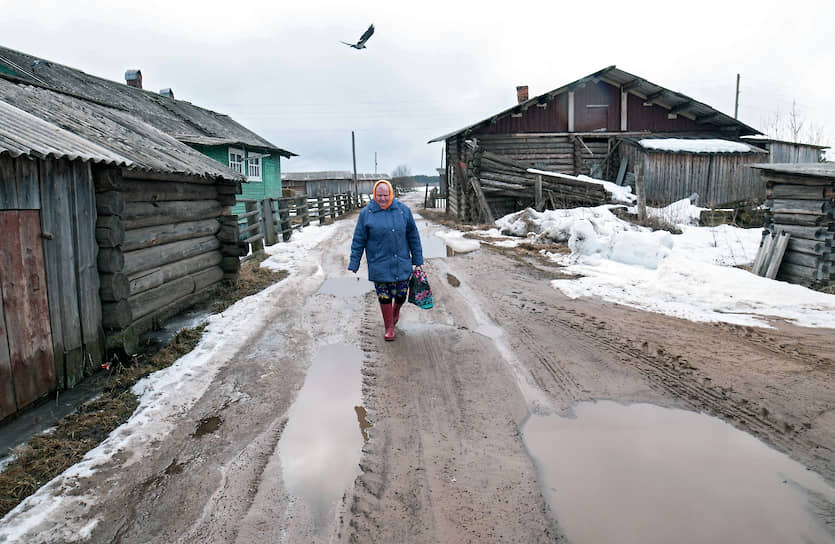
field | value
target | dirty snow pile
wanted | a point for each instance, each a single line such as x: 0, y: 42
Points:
x: 692, y: 275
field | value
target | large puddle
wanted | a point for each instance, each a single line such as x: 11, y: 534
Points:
x: 321, y: 444
x: 645, y: 474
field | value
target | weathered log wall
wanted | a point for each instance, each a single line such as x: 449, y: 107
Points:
x: 164, y: 245
x: 803, y: 206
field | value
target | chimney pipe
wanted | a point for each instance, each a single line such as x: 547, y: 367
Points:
x: 134, y: 78
x: 521, y: 93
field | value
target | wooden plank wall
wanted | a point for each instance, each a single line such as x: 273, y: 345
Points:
x: 165, y: 244
x: 718, y: 178
x: 68, y: 220
x: 61, y: 191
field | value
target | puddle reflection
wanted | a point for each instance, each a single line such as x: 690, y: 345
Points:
x: 345, y: 286
x: 642, y: 473
x: 320, y: 446
x: 433, y: 247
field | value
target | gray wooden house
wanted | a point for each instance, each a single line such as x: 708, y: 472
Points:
x: 110, y: 226
x: 586, y: 126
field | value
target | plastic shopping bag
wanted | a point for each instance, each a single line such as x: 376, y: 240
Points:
x: 419, y: 292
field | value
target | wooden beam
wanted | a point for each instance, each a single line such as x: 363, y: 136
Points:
x: 654, y: 96
x: 681, y: 107
x: 630, y: 84
x: 485, y: 208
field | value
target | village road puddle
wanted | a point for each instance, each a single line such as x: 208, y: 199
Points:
x: 433, y: 247
x: 345, y: 286
x: 321, y: 445
x: 643, y: 473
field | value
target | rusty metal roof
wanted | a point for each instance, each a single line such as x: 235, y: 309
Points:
x: 674, y: 101
x: 43, y: 122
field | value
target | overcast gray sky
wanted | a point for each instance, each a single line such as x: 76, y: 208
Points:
x: 432, y: 67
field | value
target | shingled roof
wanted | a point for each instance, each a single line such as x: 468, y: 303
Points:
x: 177, y: 118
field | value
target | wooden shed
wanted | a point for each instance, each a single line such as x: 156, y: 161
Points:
x: 714, y: 169
x: 112, y: 226
x: 801, y: 202
x: 578, y: 129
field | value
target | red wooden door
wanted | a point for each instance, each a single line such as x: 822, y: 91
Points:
x: 30, y: 372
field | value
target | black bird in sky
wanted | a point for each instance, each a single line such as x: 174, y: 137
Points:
x: 364, y: 38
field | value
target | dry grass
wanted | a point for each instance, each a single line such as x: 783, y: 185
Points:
x: 45, y: 456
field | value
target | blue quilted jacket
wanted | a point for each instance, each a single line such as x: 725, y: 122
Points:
x: 390, y: 240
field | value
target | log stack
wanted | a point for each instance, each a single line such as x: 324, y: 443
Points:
x: 508, y: 185
x: 163, y: 246
x: 801, y: 202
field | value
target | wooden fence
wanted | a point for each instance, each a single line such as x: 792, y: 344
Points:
x: 272, y: 220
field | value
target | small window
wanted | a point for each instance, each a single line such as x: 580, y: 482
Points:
x: 236, y: 160
x: 253, y: 167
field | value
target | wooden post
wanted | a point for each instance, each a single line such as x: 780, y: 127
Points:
x: 539, y: 202
x: 284, y: 219
x: 320, y: 209
x: 253, y: 220
x: 333, y: 206
x: 485, y: 208
x: 639, y: 190
x: 301, y: 207
x: 270, y: 234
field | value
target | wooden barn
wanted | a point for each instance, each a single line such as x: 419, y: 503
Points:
x: 109, y: 226
x: 329, y: 182
x: 584, y: 127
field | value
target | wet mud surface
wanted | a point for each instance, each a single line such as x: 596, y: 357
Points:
x: 441, y: 444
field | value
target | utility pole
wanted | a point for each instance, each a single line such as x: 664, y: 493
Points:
x: 736, y: 102
x: 354, y: 154
x: 375, y: 163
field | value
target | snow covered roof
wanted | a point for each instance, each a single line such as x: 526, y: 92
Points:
x: 689, y: 145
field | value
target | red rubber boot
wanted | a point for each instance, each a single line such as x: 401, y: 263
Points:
x: 388, y: 320
x: 396, y: 311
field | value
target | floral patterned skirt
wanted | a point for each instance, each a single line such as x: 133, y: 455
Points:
x: 386, y: 291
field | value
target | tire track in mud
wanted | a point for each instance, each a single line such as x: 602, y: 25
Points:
x: 673, y: 374
x: 527, y: 295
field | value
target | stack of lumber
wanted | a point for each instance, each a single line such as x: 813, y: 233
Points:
x: 801, y: 202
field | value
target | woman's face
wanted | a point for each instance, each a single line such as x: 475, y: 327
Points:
x: 381, y: 194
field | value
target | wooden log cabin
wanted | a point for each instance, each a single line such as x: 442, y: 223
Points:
x: 585, y: 127
x: 801, y: 202
x: 109, y: 227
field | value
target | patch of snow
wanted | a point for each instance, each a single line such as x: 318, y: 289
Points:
x: 708, y: 145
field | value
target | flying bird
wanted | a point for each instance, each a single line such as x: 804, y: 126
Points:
x: 364, y: 38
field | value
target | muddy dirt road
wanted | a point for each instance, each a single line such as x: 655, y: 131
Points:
x: 447, y: 409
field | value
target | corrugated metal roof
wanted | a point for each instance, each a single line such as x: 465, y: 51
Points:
x: 118, y: 136
x: 168, y: 115
x: 816, y: 169
x: 683, y: 105
x: 22, y: 133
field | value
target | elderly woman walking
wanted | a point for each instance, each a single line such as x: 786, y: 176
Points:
x: 387, y: 232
